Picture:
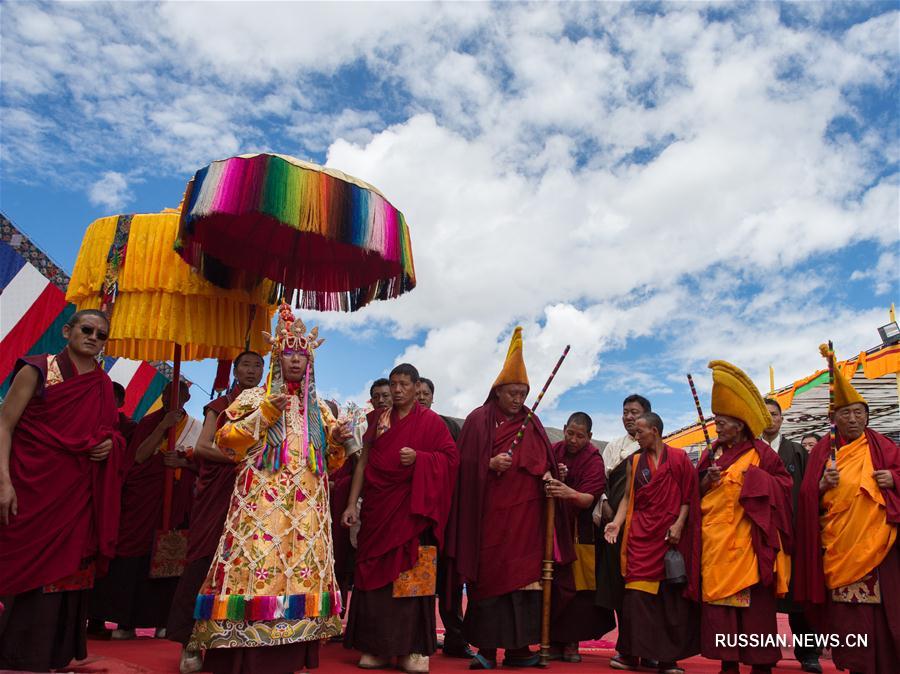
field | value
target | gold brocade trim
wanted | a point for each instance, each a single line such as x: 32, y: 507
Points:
x: 252, y: 633
x: 54, y: 376
x: 169, y: 555
x: 739, y: 599
x: 247, y: 402
x: 867, y: 590
x: 421, y: 580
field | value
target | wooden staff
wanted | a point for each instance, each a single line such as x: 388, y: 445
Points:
x: 547, y: 580
x: 537, y: 402
x: 832, y: 431
x: 700, y: 413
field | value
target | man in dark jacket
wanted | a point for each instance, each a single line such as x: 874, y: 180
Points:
x: 449, y: 599
x: 794, y: 457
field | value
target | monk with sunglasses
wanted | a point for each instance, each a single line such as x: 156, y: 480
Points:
x: 61, y: 475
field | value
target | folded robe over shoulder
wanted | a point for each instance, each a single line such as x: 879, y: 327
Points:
x: 655, y: 508
x: 401, y: 502
x: 809, y: 580
x: 586, y: 475
x: 68, y: 505
x: 765, y: 496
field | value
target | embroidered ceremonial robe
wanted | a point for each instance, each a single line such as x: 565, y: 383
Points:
x: 272, y: 580
x: 213, y: 489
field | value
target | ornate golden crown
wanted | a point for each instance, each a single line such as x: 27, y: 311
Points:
x: 290, y: 333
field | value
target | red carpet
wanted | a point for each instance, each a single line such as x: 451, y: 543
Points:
x: 149, y: 656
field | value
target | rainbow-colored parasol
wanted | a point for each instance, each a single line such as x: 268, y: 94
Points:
x: 332, y: 242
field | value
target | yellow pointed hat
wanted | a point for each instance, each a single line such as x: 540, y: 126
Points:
x: 844, y: 393
x: 513, y: 371
x: 735, y: 395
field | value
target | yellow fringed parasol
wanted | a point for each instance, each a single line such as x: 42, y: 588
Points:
x: 128, y: 267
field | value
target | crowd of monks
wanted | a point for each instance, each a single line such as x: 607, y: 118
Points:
x: 294, y: 523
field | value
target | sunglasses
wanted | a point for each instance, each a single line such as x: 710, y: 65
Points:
x: 87, y: 330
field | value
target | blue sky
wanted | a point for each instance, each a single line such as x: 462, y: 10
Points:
x: 656, y: 184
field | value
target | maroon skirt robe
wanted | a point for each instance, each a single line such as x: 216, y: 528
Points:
x: 128, y: 596
x: 68, y: 516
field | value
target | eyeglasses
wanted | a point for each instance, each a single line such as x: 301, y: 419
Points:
x: 87, y: 331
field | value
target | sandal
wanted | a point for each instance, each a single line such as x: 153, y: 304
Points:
x: 481, y: 662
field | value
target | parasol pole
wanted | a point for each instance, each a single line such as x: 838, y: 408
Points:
x: 832, y: 432
x: 174, y: 404
x: 537, y: 402
x: 547, y: 580
x: 771, y: 380
x: 700, y: 414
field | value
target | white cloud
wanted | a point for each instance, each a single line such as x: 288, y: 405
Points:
x: 111, y: 191
x: 885, y: 275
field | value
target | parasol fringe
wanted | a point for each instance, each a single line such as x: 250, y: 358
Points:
x: 237, y: 207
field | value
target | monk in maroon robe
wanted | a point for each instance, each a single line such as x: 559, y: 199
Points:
x: 128, y: 596
x: 126, y: 424
x: 213, y: 489
x: 496, y: 532
x: 847, y: 558
x: 658, y: 516
x: 575, y: 615
x: 60, y: 477
x: 406, y: 473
